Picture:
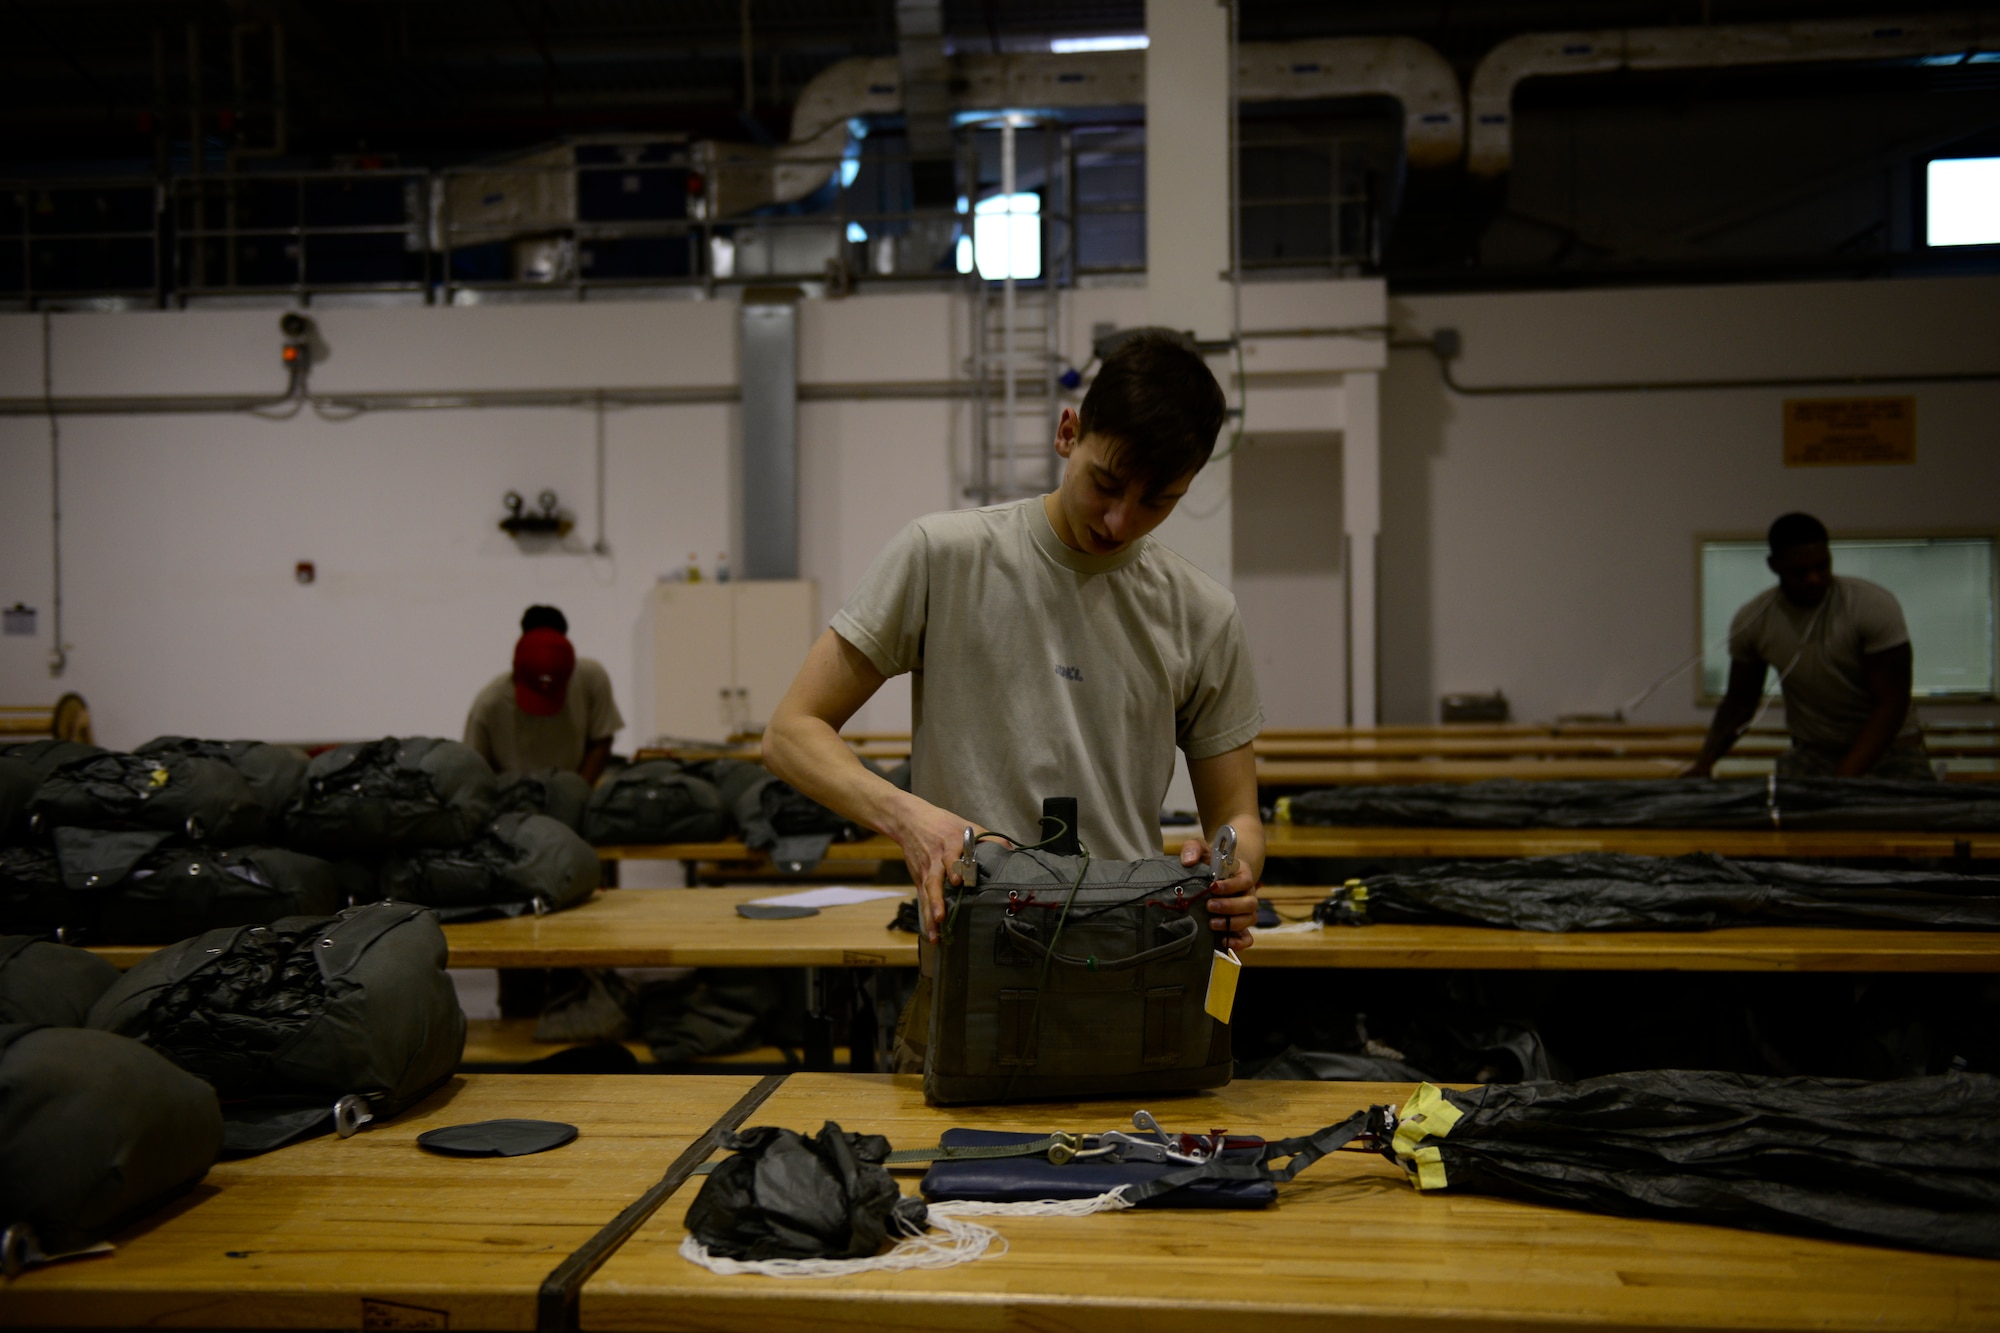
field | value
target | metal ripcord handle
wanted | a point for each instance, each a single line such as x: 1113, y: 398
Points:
x: 966, y: 867
x: 1222, y: 863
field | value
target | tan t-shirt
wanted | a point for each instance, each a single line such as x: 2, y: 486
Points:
x: 1826, y: 691
x: 517, y: 742
x: 1042, y: 671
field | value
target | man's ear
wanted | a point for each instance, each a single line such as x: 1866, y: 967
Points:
x: 1066, y: 432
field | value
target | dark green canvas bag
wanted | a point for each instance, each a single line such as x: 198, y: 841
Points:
x: 775, y: 817
x: 18, y: 781
x: 45, y: 757
x: 288, y: 1020
x: 522, y: 863
x: 204, y: 800
x: 49, y: 983
x: 386, y: 795
x: 1044, y: 993
x: 273, y: 773
x: 95, y: 1131
x: 657, y: 801
x: 142, y: 889
x: 32, y: 898
x: 555, y: 792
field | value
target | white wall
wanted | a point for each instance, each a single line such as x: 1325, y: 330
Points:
x: 1544, y: 545
x: 181, y: 532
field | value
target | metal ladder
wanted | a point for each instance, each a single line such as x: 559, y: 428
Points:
x: 1014, y: 331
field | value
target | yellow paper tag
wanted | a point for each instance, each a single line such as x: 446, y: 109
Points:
x: 1222, y: 974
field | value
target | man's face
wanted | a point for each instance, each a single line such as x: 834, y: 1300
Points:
x: 1103, y: 509
x: 1804, y: 573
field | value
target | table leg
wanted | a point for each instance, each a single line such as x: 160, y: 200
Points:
x: 819, y: 1024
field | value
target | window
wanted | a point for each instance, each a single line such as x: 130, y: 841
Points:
x: 1962, y: 201
x: 1006, y: 239
x: 1946, y: 586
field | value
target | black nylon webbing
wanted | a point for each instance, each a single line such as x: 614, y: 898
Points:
x: 556, y: 1302
x: 1303, y: 1151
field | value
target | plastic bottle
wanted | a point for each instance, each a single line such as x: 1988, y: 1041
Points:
x: 722, y: 566
x: 694, y: 568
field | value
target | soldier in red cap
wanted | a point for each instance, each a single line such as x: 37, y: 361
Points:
x: 554, y: 710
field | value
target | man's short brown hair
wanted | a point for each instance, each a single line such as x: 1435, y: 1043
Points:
x: 1158, y: 406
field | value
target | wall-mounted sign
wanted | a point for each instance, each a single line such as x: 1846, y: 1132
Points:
x: 1845, y: 432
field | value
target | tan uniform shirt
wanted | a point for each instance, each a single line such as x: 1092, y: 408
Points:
x: 1041, y: 671
x: 1826, y: 689
x: 517, y: 742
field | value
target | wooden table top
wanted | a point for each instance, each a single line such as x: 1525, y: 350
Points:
x: 1349, y: 1243
x: 1482, y: 844
x: 1307, y: 840
x: 1736, y: 949
x: 373, y: 1232
x: 1389, y: 772
x: 686, y: 928
x: 700, y: 928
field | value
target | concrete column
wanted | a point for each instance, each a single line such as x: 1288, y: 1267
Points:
x: 770, y: 415
x: 1187, y: 227
x: 1361, y: 494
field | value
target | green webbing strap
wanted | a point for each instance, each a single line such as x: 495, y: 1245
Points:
x: 917, y: 1156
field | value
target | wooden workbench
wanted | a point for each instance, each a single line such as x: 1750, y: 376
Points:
x: 1349, y: 1244
x: 373, y: 1232
x: 700, y: 928
x: 1310, y: 841
x: 1306, y: 840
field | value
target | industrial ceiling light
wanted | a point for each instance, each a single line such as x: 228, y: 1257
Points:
x: 1962, y: 205
x: 1064, y: 46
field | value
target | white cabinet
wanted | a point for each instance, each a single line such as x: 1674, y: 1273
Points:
x: 725, y: 653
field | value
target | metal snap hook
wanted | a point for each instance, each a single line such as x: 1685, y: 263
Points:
x: 350, y: 1113
x: 18, y: 1247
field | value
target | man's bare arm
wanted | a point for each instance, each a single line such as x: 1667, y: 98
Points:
x: 1225, y: 792
x: 1738, y: 706
x: 594, y: 756
x: 1890, y: 674
x: 802, y: 745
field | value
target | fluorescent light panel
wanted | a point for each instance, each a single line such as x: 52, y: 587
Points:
x: 1065, y: 46
x: 1963, y: 201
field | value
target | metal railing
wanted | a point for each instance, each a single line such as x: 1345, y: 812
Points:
x: 575, y: 227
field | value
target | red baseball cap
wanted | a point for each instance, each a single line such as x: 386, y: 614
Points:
x: 544, y: 660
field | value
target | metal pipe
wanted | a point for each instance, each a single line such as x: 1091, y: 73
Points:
x: 1654, y: 386
x: 472, y: 400
x: 58, y: 657
x: 1007, y: 368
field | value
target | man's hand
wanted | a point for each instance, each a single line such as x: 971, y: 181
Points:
x: 931, y: 839
x: 1233, y: 905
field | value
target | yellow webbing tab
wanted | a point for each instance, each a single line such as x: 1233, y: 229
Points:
x: 159, y: 777
x: 1426, y: 1115
x: 1284, y: 810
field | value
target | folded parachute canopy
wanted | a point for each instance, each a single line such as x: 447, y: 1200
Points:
x: 1606, y: 891
x: 1748, y: 803
x: 1912, y: 1163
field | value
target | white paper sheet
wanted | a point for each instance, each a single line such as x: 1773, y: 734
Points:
x: 836, y: 895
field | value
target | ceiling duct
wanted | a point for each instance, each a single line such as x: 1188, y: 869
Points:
x: 744, y: 176
x: 926, y: 77
x: 1542, y: 55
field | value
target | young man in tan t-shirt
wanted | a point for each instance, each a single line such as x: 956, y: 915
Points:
x: 1058, y: 650
x: 1842, y: 654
